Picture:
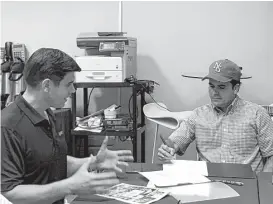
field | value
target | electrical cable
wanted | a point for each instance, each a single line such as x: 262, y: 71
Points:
x: 144, y: 80
x: 129, y: 107
x: 130, y: 114
x: 133, y: 80
x: 89, y: 97
x: 154, y: 99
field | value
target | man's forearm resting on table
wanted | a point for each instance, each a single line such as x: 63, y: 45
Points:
x: 268, y: 167
x: 42, y: 194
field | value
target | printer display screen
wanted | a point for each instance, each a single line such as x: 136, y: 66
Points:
x: 108, y: 46
x: 111, y: 46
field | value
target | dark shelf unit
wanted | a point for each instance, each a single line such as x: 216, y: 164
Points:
x: 138, y: 128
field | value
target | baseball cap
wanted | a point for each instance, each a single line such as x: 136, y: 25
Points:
x: 224, y: 70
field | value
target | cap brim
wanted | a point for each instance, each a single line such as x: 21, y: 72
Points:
x: 195, y: 75
x: 201, y: 76
x: 245, y: 77
x: 217, y: 78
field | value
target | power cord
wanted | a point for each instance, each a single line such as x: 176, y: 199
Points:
x: 149, y: 90
x: 154, y: 99
x: 129, y: 107
x: 89, y: 97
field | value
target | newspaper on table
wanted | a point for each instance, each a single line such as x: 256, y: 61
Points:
x: 134, y: 194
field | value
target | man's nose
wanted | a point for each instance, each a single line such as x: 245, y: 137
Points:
x: 215, y: 91
x: 73, y: 89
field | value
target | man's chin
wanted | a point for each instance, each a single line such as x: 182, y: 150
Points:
x: 217, y: 104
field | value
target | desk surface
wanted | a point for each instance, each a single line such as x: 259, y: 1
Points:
x: 248, y: 192
x: 265, y: 187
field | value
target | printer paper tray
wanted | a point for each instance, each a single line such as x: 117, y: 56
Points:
x: 98, y: 76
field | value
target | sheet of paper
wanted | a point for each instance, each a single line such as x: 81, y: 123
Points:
x: 69, y: 199
x: 165, y: 178
x: 199, y: 192
x: 134, y: 194
x: 3, y: 200
x: 99, y: 129
x: 179, y: 167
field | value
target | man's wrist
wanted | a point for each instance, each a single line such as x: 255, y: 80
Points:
x: 173, y: 145
x: 177, y: 150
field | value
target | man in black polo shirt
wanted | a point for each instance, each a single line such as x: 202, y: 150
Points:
x: 35, y: 167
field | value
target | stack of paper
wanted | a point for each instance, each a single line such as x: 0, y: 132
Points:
x: 186, y: 167
x: 199, y: 192
x: 166, y: 178
x: 186, y: 181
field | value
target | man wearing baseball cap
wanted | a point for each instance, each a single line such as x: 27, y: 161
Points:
x: 229, y: 129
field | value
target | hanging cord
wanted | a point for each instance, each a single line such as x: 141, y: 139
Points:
x: 89, y: 97
x: 129, y: 107
x: 153, y: 98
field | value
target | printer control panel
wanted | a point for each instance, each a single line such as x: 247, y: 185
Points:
x: 111, y: 46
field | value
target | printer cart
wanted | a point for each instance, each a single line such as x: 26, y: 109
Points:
x: 137, y: 133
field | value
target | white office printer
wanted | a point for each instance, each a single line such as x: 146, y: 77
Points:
x: 110, y: 57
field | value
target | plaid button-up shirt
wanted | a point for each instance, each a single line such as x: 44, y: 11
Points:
x: 243, y: 134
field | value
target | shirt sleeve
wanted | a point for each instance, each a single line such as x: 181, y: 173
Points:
x: 185, y: 134
x: 264, y: 132
x: 12, y: 159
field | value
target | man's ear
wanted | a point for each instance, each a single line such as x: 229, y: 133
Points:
x: 46, y: 85
x: 236, y: 88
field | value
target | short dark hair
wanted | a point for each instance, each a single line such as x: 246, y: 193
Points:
x: 48, y: 63
x: 234, y: 82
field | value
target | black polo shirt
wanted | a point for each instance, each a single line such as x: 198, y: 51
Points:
x: 32, y: 150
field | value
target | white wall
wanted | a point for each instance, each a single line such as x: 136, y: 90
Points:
x: 57, y: 25
x: 177, y: 37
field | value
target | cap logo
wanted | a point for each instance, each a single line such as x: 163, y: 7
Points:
x: 217, y: 66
